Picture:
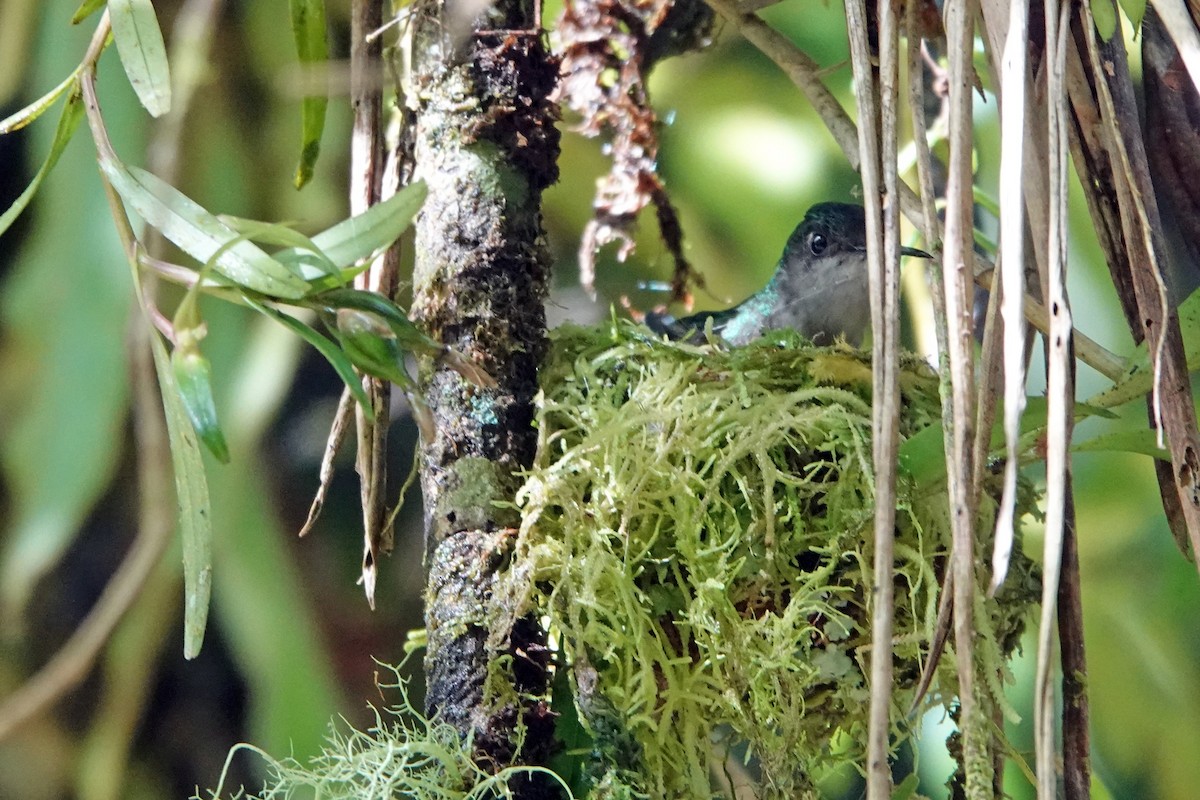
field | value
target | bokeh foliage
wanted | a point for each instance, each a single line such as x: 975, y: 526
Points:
x: 743, y: 157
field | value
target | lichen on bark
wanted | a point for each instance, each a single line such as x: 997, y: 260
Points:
x: 487, y: 147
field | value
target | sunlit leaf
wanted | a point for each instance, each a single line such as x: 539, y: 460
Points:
x: 302, y: 257
x: 72, y: 113
x: 200, y: 234
x: 1142, y: 441
x: 332, y: 353
x: 194, y: 378
x: 373, y: 230
x: 143, y: 52
x: 1135, y: 10
x: 191, y: 488
x: 309, y: 31
x: 29, y: 113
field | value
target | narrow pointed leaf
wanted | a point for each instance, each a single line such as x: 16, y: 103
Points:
x: 333, y: 354
x: 195, y: 517
x: 200, y: 234
x: 309, y: 31
x: 72, y: 113
x: 317, y: 270
x: 371, y: 347
x: 408, y: 335
x: 1135, y: 10
x: 1138, y: 378
x: 281, y: 234
x: 302, y: 256
x: 14, y: 122
x: 1142, y: 442
x: 85, y: 10
x: 194, y: 378
x: 143, y: 52
x: 370, y: 232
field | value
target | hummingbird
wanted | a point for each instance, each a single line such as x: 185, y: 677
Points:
x: 819, y: 287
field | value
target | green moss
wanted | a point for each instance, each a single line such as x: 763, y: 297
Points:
x: 401, y: 755
x: 697, y: 528
x: 471, y: 491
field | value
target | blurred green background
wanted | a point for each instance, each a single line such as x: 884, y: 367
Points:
x: 291, y: 641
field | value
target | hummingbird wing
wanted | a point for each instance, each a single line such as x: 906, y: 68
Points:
x: 691, y: 328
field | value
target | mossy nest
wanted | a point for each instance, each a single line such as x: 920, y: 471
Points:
x: 697, y: 528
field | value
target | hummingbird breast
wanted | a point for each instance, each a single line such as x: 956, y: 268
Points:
x: 828, y: 299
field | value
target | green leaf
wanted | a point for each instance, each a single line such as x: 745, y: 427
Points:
x: 274, y: 233
x: 333, y: 354
x: 191, y: 488
x: 1135, y: 10
x: 571, y: 759
x: 1104, y: 13
x: 370, y: 232
x: 1142, y: 441
x: 1135, y: 382
x: 200, y: 234
x: 316, y: 269
x: 922, y: 456
x: 907, y: 788
x: 85, y: 10
x: 29, y: 113
x: 302, y: 257
x: 1138, y: 377
x: 1037, y: 411
x: 143, y: 53
x: 309, y: 31
x: 194, y: 379
x: 72, y: 113
x: 371, y: 347
x: 408, y: 336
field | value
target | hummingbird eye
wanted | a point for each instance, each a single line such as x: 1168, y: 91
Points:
x: 817, y: 244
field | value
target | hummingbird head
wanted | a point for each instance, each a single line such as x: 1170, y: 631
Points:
x: 821, y: 286
x: 833, y: 233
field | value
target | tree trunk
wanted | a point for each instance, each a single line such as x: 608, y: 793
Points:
x: 487, y: 147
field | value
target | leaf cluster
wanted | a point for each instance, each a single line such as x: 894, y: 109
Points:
x: 269, y: 267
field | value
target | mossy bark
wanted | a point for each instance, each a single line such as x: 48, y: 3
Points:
x: 487, y: 147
